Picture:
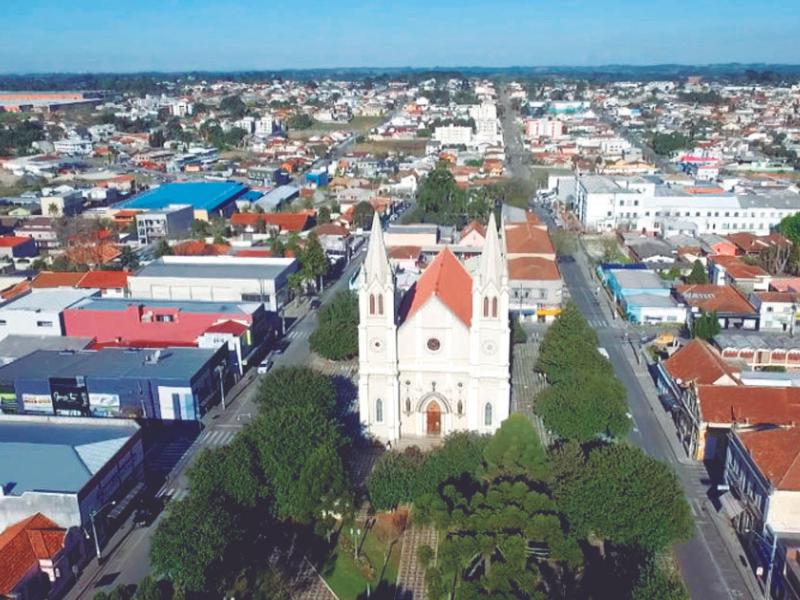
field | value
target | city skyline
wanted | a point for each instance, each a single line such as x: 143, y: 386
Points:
x: 43, y: 36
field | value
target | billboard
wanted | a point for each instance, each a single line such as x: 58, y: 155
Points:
x: 37, y: 403
x: 104, y: 405
x: 70, y: 396
x: 8, y: 399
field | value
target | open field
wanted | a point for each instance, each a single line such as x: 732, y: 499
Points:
x: 358, y: 125
x: 416, y: 147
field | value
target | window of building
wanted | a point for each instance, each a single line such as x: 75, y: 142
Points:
x: 372, y: 304
x: 380, y: 304
x: 408, y: 405
x: 165, y: 318
x: 44, y: 323
x: 254, y: 298
x: 433, y: 344
x: 494, y: 307
x: 460, y: 408
x: 487, y: 414
x: 379, y: 411
x: 2, y: 322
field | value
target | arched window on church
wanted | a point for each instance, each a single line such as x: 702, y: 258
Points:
x: 460, y: 408
x: 487, y: 414
x: 408, y: 405
x: 494, y: 307
x: 486, y: 307
x: 379, y: 411
x: 372, y: 304
x: 380, y: 304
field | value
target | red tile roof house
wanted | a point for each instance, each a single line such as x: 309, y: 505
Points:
x: 34, y: 559
x: 713, y: 410
x: 731, y: 270
x: 762, y: 469
x: 732, y: 308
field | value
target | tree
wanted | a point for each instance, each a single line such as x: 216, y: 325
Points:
x: 518, y: 335
x: 657, y: 583
x: 162, y: 248
x: 706, y: 326
x: 336, y: 336
x: 200, y: 229
x: 314, y: 261
x: 276, y: 247
x: 698, y: 275
x: 568, y: 347
x: 156, y: 139
x: 151, y: 588
x: 362, y: 215
x: 499, y: 532
x: 622, y: 495
x: 296, y: 385
x: 324, y: 215
x: 299, y: 448
x: 190, y: 542
x: 392, y: 480
x: 590, y: 405
x: 460, y: 456
x: 234, y: 106
x: 790, y: 228
x: 128, y: 259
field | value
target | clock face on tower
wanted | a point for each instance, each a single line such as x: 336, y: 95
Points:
x: 489, y: 347
x: 376, y: 345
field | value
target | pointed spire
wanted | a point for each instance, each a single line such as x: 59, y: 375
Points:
x: 492, y: 266
x: 376, y: 263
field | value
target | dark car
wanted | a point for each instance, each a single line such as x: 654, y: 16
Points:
x: 143, y: 516
x: 316, y: 303
x: 565, y: 258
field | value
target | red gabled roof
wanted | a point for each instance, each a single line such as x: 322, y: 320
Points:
x: 447, y: 279
x: 200, y: 248
x: 720, y: 298
x: 698, y: 361
x: 23, y: 545
x: 749, y: 405
x: 776, y: 452
x: 331, y: 229
x: 55, y: 279
x: 526, y: 238
x: 10, y: 241
x: 228, y: 326
x: 475, y: 226
x: 533, y: 268
x: 104, y: 280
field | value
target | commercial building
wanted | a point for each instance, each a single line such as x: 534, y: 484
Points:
x: 113, y: 322
x: 60, y: 203
x: 39, y: 312
x: 728, y: 304
x: 453, y: 135
x: 215, y: 278
x: 66, y: 468
x: 170, y: 384
x: 173, y: 222
x: 643, y: 295
x: 207, y: 198
x: 647, y: 203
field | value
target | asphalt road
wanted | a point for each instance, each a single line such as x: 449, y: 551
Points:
x: 127, y: 553
x: 706, y: 565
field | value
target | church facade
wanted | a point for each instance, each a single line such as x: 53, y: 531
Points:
x: 435, y: 360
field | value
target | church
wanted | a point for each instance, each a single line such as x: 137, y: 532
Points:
x: 435, y: 360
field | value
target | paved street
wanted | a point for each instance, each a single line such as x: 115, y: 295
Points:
x: 127, y: 553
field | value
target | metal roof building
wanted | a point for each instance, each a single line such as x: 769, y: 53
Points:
x: 205, y: 197
x: 65, y: 468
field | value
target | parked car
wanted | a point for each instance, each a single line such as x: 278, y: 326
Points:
x: 264, y: 367
x: 143, y: 516
x: 316, y: 303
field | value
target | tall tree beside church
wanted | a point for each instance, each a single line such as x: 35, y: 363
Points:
x: 314, y: 261
x: 698, y: 274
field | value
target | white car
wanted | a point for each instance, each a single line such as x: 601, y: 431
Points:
x: 264, y: 367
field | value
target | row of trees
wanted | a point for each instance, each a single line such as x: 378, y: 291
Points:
x: 519, y: 521
x: 282, y: 476
x: 441, y: 201
x: 584, y: 400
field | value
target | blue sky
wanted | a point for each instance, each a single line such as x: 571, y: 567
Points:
x: 168, y: 35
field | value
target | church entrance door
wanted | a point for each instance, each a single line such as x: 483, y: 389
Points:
x: 434, y: 418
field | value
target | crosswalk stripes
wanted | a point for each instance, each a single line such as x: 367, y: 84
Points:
x: 215, y: 437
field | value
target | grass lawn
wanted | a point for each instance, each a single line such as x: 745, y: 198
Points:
x: 357, y: 124
x: 342, y: 574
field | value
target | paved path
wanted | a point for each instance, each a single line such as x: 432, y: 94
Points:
x: 411, y: 574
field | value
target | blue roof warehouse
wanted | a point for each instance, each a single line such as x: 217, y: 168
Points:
x: 207, y: 198
x: 172, y: 384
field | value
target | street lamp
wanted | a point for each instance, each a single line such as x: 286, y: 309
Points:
x: 220, y: 370
x: 92, y: 515
x: 771, y: 565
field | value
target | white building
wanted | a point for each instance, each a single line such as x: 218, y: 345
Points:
x: 604, y: 203
x: 485, y: 117
x: 436, y: 360
x: 453, y: 135
x: 73, y: 146
x: 264, y: 126
x: 544, y: 128
x: 39, y: 311
x: 171, y: 223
